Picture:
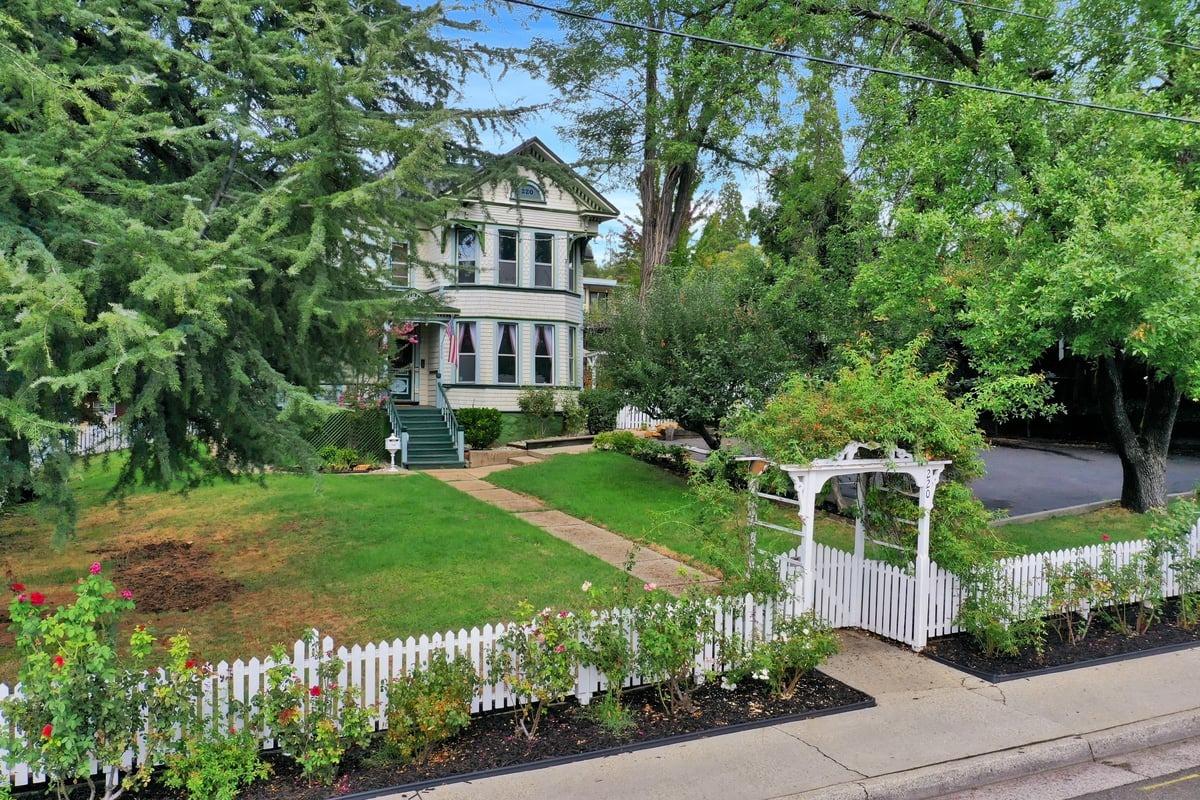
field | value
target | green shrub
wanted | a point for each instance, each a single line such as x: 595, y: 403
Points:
x: 481, y: 426
x: 340, y: 459
x: 313, y: 725
x: 601, y: 407
x: 799, y: 646
x: 430, y: 705
x: 987, y: 614
x: 540, y: 405
x: 668, y: 456
x: 85, y: 700
x: 671, y: 634
x: 574, y: 417
x: 538, y: 660
x: 215, y: 765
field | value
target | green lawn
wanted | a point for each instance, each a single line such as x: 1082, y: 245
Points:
x: 1061, y: 533
x: 644, y: 502
x: 360, y: 557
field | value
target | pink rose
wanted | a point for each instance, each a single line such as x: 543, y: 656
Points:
x: 94, y: 568
x: 562, y: 648
x: 126, y: 594
x: 650, y: 587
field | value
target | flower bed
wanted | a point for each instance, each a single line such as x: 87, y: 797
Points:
x: 569, y: 732
x: 1103, y: 645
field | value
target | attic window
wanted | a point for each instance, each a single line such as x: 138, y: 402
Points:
x: 530, y: 192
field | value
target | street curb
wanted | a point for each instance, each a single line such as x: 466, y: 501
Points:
x: 947, y: 777
x: 1069, y: 511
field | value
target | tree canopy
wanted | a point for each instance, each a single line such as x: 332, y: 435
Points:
x: 192, y: 196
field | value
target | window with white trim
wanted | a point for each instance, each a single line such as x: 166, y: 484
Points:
x: 466, y: 249
x: 468, y: 360
x: 573, y: 268
x: 398, y: 264
x: 530, y: 192
x: 506, y: 352
x: 543, y: 354
x: 543, y: 260
x: 506, y: 258
x: 572, y: 364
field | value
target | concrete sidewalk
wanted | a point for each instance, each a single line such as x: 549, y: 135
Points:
x: 927, y: 715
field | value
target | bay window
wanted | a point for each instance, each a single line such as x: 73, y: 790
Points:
x: 465, y: 254
x: 543, y: 354
x: 468, y: 361
x: 506, y: 352
x: 506, y: 259
x: 543, y: 259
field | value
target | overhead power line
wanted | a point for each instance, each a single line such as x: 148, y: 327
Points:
x: 1072, y: 24
x: 850, y: 65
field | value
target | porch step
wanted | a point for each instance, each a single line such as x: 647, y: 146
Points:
x: 524, y: 460
x: 430, y: 445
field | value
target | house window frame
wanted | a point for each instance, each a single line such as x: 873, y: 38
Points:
x: 573, y: 354
x: 574, y: 264
x: 543, y: 235
x: 458, y: 270
x: 516, y: 355
x: 550, y: 327
x: 474, y: 328
x: 538, y: 188
x: 391, y: 264
x: 516, y: 260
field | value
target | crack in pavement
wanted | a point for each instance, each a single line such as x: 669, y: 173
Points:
x: 823, y: 753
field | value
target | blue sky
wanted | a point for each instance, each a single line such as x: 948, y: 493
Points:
x: 513, y: 26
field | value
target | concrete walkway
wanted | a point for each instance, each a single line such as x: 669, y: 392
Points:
x: 928, y: 716
x: 649, y: 565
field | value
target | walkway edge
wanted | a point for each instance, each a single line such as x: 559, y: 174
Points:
x: 947, y: 777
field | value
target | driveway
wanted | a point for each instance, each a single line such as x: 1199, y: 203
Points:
x: 1024, y: 479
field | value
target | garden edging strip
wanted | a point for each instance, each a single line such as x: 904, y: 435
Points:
x: 631, y: 747
x: 991, y: 677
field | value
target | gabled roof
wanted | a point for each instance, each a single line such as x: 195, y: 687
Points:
x: 595, y: 204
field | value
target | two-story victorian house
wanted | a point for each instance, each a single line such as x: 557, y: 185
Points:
x: 511, y: 307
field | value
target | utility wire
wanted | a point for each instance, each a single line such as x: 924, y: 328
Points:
x: 1073, y: 24
x: 849, y: 65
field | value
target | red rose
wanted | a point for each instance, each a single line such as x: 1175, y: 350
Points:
x: 17, y: 587
x: 191, y: 664
x: 59, y: 661
x: 1105, y: 538
x: 315, y: 691
x: 47, y: 729
x: 37, y: 598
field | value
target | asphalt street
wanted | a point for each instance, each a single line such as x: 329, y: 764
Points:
x: 1024, y: 480
x: 1182, y: 785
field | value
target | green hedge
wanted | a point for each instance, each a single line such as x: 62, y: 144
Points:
x: 481, y: 426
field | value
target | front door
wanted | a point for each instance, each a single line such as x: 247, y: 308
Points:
x: 404, y: 375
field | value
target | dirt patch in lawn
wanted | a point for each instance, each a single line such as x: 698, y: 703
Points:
x: 170, y: 576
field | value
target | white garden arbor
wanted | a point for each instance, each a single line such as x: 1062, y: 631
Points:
x: 860, y: 460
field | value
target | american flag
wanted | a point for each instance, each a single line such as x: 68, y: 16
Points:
x: 451, y: 344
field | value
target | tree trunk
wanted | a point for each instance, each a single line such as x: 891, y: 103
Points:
x: 1142, y: 444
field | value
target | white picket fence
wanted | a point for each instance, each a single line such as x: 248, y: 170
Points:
x: 880, y: 597
x: 632, y: 419
x: 93, y: 439
x: 368, y: 668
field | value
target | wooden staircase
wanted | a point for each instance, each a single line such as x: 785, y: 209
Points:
x: 431, y: 444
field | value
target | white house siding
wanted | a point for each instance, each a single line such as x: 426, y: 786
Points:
x: 487, y: 303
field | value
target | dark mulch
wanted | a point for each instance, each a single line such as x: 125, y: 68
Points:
x: 171, y: 575
x: 567, y: 731
x: 1102, y: 642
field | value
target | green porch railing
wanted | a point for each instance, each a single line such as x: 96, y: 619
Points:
x: 398, y: 430
x: 456, y: 434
